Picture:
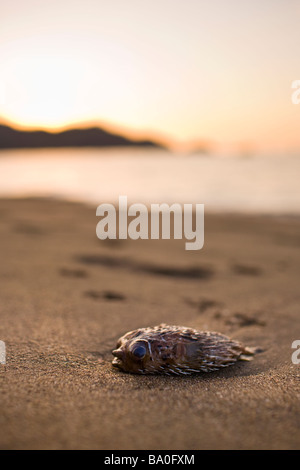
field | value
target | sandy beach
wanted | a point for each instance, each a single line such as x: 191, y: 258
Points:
x: 66, y: 297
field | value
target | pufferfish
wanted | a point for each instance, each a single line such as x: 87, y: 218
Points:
x: 176, y: 350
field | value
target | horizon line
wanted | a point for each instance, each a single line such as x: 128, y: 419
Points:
x: 136, y: 135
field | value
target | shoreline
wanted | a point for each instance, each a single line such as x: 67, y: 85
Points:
x: 209, y: 212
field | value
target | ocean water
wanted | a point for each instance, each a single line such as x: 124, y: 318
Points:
x: 258, y: 184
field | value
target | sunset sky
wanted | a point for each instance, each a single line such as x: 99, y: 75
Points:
x: 189, y: 71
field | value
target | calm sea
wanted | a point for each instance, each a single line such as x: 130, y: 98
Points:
x: 260, y: 184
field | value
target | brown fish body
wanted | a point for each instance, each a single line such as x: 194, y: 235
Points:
x: 176, y: 350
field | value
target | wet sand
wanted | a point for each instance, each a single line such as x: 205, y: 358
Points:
x: 66, y: 297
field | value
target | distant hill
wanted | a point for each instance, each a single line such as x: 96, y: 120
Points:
x: 92, y: 137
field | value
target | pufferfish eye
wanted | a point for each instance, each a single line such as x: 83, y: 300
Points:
x: 139, y: 351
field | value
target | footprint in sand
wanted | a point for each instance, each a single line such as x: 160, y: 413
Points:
x: 107, y: 295
x: 74, y: 273
x: 245, y: 270
x: 240, y: 319
x: 169, y: 271
x: 204, y: 304
x: 27, y: 229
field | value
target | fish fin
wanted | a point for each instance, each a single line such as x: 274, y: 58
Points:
x: 248, y: 353
x: 244, y: 357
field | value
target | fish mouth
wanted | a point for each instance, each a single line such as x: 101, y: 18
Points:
x: 117, y: 361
